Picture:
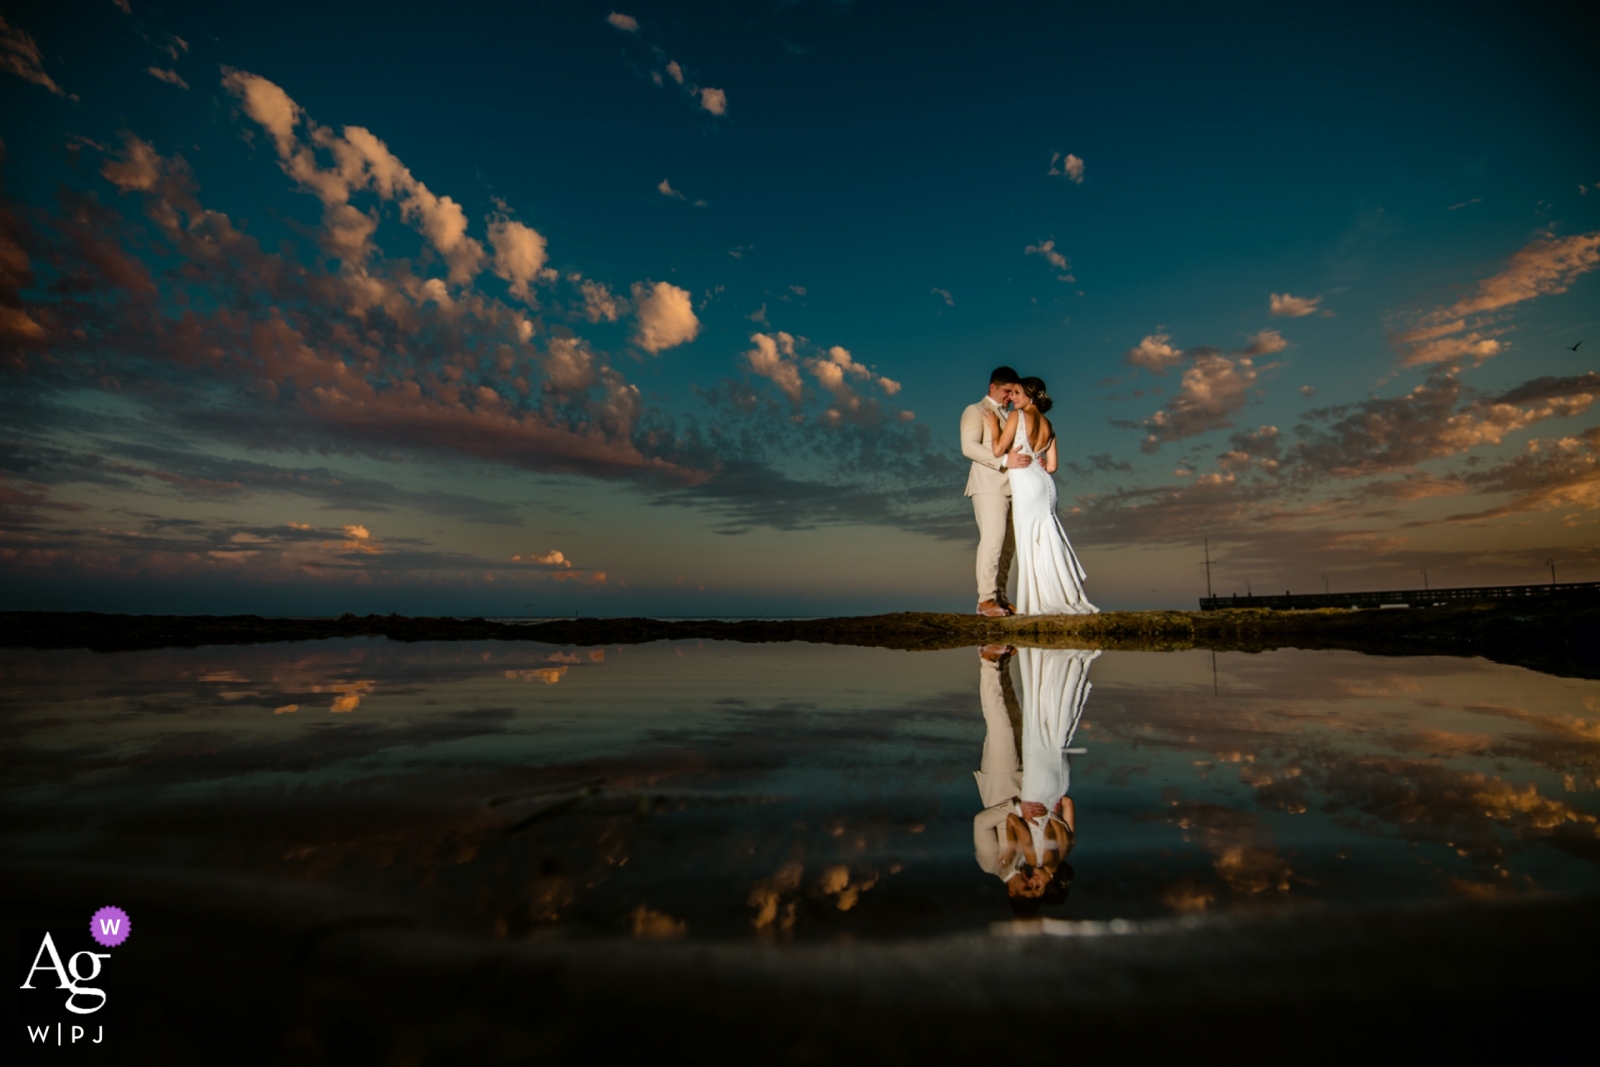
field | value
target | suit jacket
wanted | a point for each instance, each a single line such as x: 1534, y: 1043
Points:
x: 977, y: 444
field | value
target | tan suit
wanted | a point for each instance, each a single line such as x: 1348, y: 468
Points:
x: 999, y: 774
x: 990, y: 489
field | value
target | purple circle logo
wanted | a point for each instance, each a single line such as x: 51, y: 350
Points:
x: 110, y: 926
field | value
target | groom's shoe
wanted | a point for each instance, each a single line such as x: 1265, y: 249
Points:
x: 992, y: 610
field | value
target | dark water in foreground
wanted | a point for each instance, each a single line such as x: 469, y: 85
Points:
x: 790, y: 792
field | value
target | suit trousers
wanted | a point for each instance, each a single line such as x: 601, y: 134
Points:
x: 996, y: 544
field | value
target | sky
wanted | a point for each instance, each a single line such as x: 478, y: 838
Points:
x: 672, y: 308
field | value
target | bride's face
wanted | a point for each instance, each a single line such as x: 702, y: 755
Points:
x: 1020, y: 398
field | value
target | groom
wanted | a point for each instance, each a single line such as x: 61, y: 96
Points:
x: 990, y: 490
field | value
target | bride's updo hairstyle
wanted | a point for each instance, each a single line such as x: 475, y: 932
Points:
x: 1034, y: 387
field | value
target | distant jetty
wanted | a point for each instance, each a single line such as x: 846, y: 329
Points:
x: 1559, y: 634
x: 1407, y: 598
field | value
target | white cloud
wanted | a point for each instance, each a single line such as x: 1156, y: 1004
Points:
x: 1070, y: 167
x: 666, y: 189
x: 623, y: 22
x: 19, y: 55
x: 1047, y: 249
x: 171, y: 77
x: 1293, y: 307
x: 665, y: 316
x: 944, y: 294
x: 714, y: 101
x: 1155, y: 354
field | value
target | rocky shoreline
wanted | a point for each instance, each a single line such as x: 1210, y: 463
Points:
x: 1555, y: 636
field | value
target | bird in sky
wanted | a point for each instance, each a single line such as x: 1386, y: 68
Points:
x: 1573, y: 348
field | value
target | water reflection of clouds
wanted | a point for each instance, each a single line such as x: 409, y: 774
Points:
x: 780, y: 794
x: 1384, y: 755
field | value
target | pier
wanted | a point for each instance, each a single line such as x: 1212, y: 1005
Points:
x: 1404, y: 598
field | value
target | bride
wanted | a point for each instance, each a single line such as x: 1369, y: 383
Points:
x: 1049, y: 576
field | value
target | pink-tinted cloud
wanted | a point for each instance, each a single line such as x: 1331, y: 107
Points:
x: 1465, y: 329
x: 1047, y: 249
x: 1212, y: 391
x: 714, y: 101
x: 1383, y: 435
x: 1294, y: 307
x: 171, y: 77
x: 1070, y: 167
x: 626, y: 23
x: 1155, y: 354
x: 773, y: 358
x: 19, y: 55
x: 664, y: 316
x: 1264, y: 343
x: 369, y: 354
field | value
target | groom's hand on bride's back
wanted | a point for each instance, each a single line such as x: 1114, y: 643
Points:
x: 1018, y: 459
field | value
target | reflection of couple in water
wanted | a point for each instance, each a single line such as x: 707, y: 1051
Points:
x: 1028, y: 824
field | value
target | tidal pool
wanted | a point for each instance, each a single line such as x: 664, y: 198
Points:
x: 794, y: 792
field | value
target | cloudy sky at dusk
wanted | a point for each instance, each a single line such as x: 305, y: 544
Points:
x: 671, y: 308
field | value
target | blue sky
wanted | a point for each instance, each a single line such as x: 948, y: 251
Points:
x: 672, y: 308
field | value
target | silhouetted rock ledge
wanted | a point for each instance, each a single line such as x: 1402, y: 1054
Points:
x: 1560, y: 637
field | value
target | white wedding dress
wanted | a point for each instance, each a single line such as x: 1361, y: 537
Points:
x: 1049, y: 576
x: 1055, y: 687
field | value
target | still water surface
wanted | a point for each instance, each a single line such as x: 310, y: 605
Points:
x: 796, y: 791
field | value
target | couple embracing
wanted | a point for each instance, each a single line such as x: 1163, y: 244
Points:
x: 1013, y: 489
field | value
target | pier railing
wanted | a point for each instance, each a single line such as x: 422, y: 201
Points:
x: 1408, y: 598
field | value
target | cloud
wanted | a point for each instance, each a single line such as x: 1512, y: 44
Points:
x: 171, y: 77
x: 665, y: 316
x: 19, y: 55
x: 1545, y: 265
x: 1381, y: 435
x: 1468, y: 203
x: 1466, y: 328
x: 267, y: 104
x: 1472, y: 345
x: 355, y: 353
x: 1047, y: 249
x: 1264, y: 343
x: 666, y: 189
x: 1293, y: 307
x: 1212, y: 391
x: 1070, y: 168
x: 944, y: 294
x: 714, y: 101
x: 138, y: 170
x: 623, y: 22
x: 519, y: 253
x: 1155, y: 354
x: 553, y: 558
x: 773, y: 357
x: 674, y: 71
x: 599, y: 303
x: 362, y: 162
